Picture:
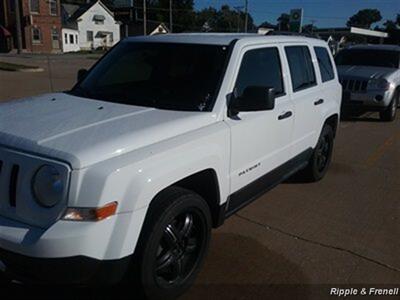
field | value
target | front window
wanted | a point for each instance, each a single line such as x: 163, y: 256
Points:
x: 161, y: 75
x: 368, y: 57
x: 34, y: 6
x: 260, y: 67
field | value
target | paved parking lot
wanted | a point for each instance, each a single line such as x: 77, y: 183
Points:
x: 300, y: 239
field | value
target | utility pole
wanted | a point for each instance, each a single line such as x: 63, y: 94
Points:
x: 170, y: 16
x: 144, y: 17
x: 19, y: 25
x: 246, y: 16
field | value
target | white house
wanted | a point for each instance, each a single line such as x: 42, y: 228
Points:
x: 93, y: 25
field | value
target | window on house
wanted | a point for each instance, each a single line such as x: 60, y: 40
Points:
x: 301, y: 67
x: 99, y: 19
x: 71, y: 38
x: 12, y: 6
x: 89, y: 36
x: 65, y: 38
x: 36, y: 35
x: 76, y: 39
x: 34, y: 6
x: 53, y: 7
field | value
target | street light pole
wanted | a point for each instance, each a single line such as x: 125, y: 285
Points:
x: 19, y: 25
x: 246, y: 17
x: 170, y: 16
x: 144, y: 17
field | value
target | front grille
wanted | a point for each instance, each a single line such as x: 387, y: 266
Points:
x: 9, y: 177
x: 354, y: 85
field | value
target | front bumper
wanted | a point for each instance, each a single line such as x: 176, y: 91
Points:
x: 70, y: 270
x: 368, y: 101
x: 70, y: 252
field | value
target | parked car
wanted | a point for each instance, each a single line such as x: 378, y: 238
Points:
x: 164, y: 138
x: 370, y: 76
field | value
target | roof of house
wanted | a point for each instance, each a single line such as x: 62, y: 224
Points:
x: 376, y: 47
x: 218, y: 38
x: 84, y: 8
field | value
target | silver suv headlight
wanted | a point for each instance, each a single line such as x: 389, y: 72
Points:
x: 48, y: 186
x: 379, y: 84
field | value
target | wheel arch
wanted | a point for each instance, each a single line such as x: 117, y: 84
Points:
x: 204, y: 183
x: 333, y: 121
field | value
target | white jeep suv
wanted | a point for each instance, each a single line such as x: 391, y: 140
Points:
x: 166, y: 136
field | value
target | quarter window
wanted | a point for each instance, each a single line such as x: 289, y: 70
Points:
x: 260, y: 67
x: 34, y: 6
x: 325, y: 64
x: 301, y: 67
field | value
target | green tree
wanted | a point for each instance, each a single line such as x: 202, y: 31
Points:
x: 365, y: 18
x: 224, y: 20
x: 283, y: 22
x: 309, y: 28
x: 182, y: 12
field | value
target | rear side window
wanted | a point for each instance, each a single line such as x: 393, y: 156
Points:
x: 260, y: 67
x: 325, y: 64
x: 301, y: 67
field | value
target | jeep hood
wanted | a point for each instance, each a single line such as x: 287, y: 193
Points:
x: 366, y: 72
x: 83, y: 132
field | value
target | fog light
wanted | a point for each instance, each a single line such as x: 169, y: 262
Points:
x: 378, y: 97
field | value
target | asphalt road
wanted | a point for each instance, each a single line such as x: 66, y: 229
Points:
x: 301, y: 239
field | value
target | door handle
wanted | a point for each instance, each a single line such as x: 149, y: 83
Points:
x: 318, y: 102
x: 286, y: 115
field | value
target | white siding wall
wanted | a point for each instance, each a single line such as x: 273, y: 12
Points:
x: 86, y: 23
x: 66, y: 40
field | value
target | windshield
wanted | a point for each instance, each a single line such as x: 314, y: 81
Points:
x: 161, y: 75
x: 368, y: 57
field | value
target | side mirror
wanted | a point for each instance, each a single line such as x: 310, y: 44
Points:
x: 81, y: 74
x: 254, y: 98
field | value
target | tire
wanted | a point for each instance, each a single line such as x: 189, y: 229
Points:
x: 389, y: 114
x: 322, y: 155
x: 174, y: 241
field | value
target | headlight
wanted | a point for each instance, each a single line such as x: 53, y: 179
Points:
x: 48, y: 186
x: 378, y: 84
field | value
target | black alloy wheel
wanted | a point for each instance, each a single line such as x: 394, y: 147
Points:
x: 179, y: 248
x: 172, y: 245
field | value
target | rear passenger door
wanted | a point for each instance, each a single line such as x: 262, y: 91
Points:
x: 305, y: 95
x: 329, y: 87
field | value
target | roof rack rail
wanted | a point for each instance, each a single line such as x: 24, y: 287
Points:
x: 291, y: 33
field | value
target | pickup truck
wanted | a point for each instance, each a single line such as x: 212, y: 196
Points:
x: 124, y: 176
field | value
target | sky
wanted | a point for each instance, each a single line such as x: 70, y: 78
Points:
x: 325, y: 13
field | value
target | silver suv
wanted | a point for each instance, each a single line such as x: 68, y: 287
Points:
x: 370, y: 77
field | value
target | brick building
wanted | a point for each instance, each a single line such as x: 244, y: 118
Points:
x: 41, y: 24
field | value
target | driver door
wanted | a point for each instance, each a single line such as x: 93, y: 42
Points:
x: 260, y: 140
